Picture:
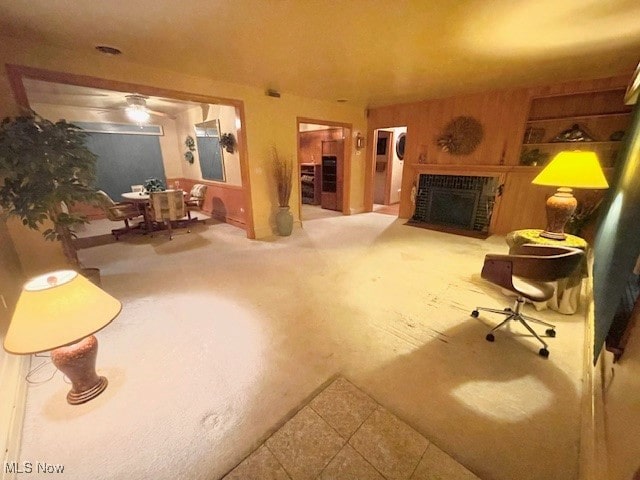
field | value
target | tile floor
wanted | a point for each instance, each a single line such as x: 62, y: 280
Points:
x: 344, y: 434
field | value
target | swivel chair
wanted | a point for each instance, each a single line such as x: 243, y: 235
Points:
x: 118, y: 211
x: 527, y: 271
x: 195, y: 200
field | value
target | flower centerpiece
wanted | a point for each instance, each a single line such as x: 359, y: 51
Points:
x: 154, y: 185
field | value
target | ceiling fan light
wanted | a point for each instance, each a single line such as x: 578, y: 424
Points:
x: 137, y: 113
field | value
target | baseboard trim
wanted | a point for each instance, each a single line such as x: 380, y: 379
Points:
x: 12, y: 407
x: 231, y: 221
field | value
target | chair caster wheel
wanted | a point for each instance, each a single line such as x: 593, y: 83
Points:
x: 508, y: 309
x: 490, y: 337
x: 475, y: 314
x: 543, y: 352
x: 550, y: 332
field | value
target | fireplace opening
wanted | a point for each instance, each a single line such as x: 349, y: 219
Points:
x: 452, y: 206
x: 456, y: 203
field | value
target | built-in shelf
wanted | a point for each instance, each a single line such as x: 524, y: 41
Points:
x: 578, y: 117
x: 577, y: 144
x: 594, y: 114
x: 310, y: 179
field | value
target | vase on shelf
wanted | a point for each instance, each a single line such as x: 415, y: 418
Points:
x: 284, y: 221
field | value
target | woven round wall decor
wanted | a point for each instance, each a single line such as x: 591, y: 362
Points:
x: 461, y: 136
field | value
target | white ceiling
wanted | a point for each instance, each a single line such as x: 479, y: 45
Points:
x: 370, y: 52
x: 40, y: 92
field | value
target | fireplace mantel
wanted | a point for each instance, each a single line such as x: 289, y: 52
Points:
x: 473, y: 170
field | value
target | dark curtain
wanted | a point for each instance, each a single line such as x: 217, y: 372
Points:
x: 617, y: 243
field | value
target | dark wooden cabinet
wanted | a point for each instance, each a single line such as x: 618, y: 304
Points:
x: 311, y: 143
x: 332, y: 175
x: 310, y: 183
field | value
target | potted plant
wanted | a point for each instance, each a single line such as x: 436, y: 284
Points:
x: 282, y: 173
x: 46, y: 168
x: 154, y: 185
x: 228, y: 142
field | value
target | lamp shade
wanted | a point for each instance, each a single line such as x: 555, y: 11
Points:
x: 575, y: 169
x: 56, y: 309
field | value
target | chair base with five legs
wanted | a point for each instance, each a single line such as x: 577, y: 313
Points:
x: 515, y: 314
x: 528, y: 272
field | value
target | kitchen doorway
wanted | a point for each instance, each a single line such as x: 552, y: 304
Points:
x: 324, y: 167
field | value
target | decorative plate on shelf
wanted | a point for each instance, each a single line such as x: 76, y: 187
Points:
x: 576, y: 133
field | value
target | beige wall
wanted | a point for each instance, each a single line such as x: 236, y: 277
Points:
x: 11, y: 366
x: 268, y: 121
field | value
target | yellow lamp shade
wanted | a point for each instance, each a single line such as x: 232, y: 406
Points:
x: 56, y: 309
x: 575, y: 169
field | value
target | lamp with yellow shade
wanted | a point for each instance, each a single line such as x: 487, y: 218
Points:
x: 60, y: 311
x: 568, y: 170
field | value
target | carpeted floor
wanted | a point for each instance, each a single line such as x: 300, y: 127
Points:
x: 387, y: 209
x: 221, y: 339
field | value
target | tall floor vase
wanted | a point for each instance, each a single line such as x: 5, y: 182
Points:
x: 284, y: 221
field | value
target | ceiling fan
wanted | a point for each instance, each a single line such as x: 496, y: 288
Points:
x: 136, y: 109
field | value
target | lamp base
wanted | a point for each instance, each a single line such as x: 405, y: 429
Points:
x: 78, y: 362
x: 560, y: 207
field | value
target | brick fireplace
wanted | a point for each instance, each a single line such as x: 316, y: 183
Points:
x: 455, y: 203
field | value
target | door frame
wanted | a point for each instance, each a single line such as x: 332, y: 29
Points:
x: 347, y: 129
x: 17, y: 73
x: 388, y: 170
x: 370, y: 161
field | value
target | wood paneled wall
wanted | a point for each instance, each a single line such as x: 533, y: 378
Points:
x: 311, y: 144
x: 503, y: 115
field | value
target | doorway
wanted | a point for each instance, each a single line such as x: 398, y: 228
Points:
x: 323, y: 161
x: 388, y: 165
x: 98, y: 95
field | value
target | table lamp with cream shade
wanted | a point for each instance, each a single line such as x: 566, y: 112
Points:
x: 568, y: 170
x: 60, y: 311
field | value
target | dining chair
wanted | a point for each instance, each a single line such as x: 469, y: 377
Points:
x: 118, y: 211
x: 168, y: 207
x: 196, y: 199
x: 527, y: 271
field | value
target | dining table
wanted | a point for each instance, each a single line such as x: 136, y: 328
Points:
x: 144, y: 201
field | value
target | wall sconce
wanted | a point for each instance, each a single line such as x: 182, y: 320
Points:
x: 359, y: 141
